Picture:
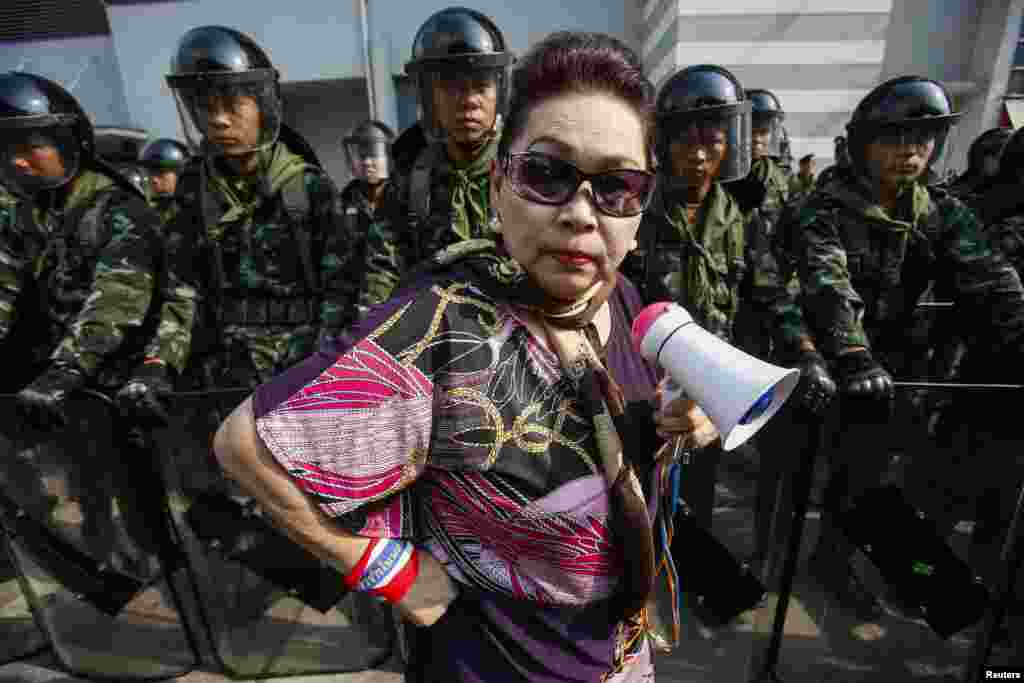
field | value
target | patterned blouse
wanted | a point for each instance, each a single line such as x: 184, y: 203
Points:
x: 442, y: 419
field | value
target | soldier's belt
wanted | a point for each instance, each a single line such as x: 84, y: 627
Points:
x: 269, y: 311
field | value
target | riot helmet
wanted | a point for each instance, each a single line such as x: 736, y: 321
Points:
x: 45, y: 135
x: 766, y: 117
x: 1011, y: 161
x: 227, y: 92
x: 908, y: 110
x: 368, y: 151
x: 985, y: 152
x: 842, y: 154
x: 164, y: 154
x: 706, y: 104
x: 455, y: 46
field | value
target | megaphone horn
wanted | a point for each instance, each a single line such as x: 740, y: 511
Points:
x: 739, y: 392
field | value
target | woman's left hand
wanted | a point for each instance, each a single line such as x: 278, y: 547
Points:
x: 684, y: 418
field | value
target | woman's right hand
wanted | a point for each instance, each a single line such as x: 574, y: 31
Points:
x: 430, y: 595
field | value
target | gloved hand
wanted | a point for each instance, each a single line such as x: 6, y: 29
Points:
x: 860, y: 376
x: 816, y: 388
x: 142, y: 400
x: 41, y: 403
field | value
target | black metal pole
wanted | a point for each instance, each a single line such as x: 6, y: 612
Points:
x: 801, y: 494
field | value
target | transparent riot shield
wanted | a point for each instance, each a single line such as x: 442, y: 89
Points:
x: 270, y: 608
x: 875, y: 567
x: 86, y: 526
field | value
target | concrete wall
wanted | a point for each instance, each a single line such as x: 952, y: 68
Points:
x: 88, y: 67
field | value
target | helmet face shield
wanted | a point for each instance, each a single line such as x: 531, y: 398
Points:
x: 917, y: 135
x: 709, y: 134
x: 368, y: 158
x: 766, y: 135
x: 231, y: 114
x: 33, y: 159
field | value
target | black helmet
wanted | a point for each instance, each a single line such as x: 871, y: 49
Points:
x: 456, y: 42
x: 220, y: 61
x: 908, y: 105
x: 766, y: 112
x: 35, y: 111
x: 706, y: 94
x: 164, y: 154
x: 369, y: 140
x: 1011, y: 161
x: 987, y: 145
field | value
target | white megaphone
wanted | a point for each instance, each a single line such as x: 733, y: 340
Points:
x: 738, y: 392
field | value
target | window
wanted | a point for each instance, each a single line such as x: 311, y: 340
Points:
x: 30, y: 20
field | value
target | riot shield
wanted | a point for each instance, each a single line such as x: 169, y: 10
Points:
x: 86, y: 525
x: 270, y: 608
x: 19, y: 635
x: 877, y: 565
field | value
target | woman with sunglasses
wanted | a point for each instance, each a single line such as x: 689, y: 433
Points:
x: 460, y: 453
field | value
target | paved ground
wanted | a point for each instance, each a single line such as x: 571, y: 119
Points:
x: 821, y: 643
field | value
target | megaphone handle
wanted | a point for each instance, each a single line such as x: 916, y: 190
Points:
x: 673, y: 391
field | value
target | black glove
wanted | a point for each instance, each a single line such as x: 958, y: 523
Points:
x: 142, y: 400
x: 816, y: 388
x: 860, y: 376
x: 41, y: 403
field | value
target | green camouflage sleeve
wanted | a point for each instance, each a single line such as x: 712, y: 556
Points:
x: 1008, y: 235
x: 121, y: 292
x: 13, y: 264
x: 832, y: 310
x: 178, y: 301
x: 985, y: 284
x: 337, y: 282
x: 385, y: 260
x: 789, y: 325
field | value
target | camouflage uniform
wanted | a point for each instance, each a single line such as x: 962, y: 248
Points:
x: 357, y: 214
x: 457, y: 201
x: 753, y: 329
x: 799, y: 186
x: 698, y: 266
x: 273, y: 267
x: 77, y: 287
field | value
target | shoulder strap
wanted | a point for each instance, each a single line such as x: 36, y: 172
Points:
x: 419, y: 182
x: 298, y: 207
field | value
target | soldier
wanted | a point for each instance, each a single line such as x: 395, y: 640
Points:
x: 274, y: 250
x: 1001, y: 206
x: 840, y: 163
x: 83, y: 284
x: 802, y: 183
x: 870, y: 242
x: 762, y: 206
x: 692, y: 235
x: 460, y: 63
x: 368, y: 151
x: 165, y: 159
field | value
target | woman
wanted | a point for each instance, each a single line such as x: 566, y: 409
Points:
x: 455, y: 455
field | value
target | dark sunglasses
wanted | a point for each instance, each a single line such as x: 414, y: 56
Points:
x: 544, y: 179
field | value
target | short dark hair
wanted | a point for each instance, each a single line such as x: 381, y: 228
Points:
x: 807, y: 158
x: 578, y: 62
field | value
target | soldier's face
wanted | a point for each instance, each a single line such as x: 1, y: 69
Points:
x: 807, y: 169
x: 697, y: 153
x: 233, y: 122
x: 39, y: 160
x: 466, y: 106
x: 897, y: 163
x: 759, y: 141
x: 570, y: 247
x: 163, y: 182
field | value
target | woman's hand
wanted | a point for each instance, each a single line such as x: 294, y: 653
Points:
x: 684, y: 418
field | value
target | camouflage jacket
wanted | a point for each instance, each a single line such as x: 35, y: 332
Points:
x: 776, y: 185
x: 408, y: 227
x: 862, y: 272
x: 1008, y: 235
x: 800, y: 187
x: 81, y: 283
x: 697, y: 266
x: 273, y: 258
x: 357, y: 214
x: 166, y: 207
